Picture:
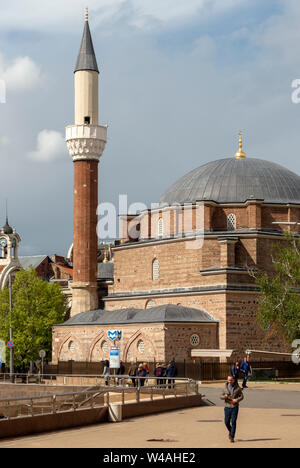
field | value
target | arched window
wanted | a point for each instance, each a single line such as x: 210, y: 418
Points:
x: 231, y: 222
x: 141, y: 346
x: 72, y: 346
x: 155, y: 269
x: 160, y: 227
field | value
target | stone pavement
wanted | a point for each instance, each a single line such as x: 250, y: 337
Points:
x: 262, y: 426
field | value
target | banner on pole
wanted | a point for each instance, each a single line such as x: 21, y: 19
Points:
x: 114, y: 357
x: 2, y: 352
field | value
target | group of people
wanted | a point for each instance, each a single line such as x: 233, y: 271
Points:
x: 138, y: 374
x: 241, y: 369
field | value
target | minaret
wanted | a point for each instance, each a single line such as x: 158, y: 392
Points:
x: 86, y: 141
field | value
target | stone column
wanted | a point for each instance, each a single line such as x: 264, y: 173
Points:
x: 227, y: 251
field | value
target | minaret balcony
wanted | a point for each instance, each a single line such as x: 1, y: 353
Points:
x: 86, y: 142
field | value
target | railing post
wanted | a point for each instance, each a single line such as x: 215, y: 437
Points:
x: 53, y: 404
x: 7, y: 410
x: 31, y: 406
x: 123, y: 396
x: 151, y: 394
x: 74, y: 404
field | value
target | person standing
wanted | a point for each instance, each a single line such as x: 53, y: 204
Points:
x: 235, y: 371
x: 141, y: 373
x: 121, y: 371
x: 171, y: 373
x: 132, y: 373
x: 106, y: 371
x: 158, y: 373
x: 147, y: 373
x: 246, y: 370
x: 232, y: 395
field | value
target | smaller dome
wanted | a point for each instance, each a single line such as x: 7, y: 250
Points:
x: 7, y: 228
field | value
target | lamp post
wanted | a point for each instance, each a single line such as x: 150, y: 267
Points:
x: 11, y: 351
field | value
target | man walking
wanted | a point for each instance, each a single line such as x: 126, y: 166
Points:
x: 232, y: 395
x: 246, y: 370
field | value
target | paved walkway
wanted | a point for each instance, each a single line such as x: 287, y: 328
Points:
x: 201, y: 427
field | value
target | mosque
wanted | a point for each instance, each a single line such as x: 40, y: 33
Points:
x: 179, y: 279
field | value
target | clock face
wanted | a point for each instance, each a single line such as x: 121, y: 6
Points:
x: 3, y: 242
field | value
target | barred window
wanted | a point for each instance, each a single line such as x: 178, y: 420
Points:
x: 231, y: 222
x: 194, y: 340
x: 155, y: 269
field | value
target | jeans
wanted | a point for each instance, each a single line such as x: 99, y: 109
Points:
x: 245, y: 380
x: 231, y: 415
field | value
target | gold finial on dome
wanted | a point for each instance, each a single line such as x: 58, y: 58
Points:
x: 86, y: 14
x: 105, y: 260
x: 240, y: 154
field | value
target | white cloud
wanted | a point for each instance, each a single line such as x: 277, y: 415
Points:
x: 22, y: 74
x: 50, y: 146
x: 37, y: 15
x: 165, y: 11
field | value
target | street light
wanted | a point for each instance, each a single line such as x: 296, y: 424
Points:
x: 11, y: 351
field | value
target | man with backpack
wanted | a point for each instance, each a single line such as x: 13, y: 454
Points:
x: 158, y: 372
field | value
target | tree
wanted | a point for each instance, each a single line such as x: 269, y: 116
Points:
x: 279, y: 304
x: 36, y: 306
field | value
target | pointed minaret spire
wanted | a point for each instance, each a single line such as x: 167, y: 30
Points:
x: 86, y: 58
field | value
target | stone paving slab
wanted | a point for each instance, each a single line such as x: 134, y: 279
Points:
x: 190, y: 428
x: 200, y: 427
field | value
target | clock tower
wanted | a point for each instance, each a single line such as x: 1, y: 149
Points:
x: 9, y: 259
x: 86, y: 141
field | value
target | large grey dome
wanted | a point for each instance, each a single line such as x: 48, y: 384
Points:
x: 235, y: 181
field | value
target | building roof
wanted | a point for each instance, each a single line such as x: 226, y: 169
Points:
x: 69, y: 270
x: 160, y: 314
x: 86, y: 58
x: 33, y: 261
x: 235, y: 181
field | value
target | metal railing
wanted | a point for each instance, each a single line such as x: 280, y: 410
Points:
x: 30, y: 406
x: 110, y: 379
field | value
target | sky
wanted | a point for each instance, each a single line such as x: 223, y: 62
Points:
x: 178, y: 80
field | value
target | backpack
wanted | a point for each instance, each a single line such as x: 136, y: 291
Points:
x: 158, y: 371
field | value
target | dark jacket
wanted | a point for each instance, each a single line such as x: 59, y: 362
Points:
x: 141, y: 373
x: 158, y: 372
x: 171, y: 371
x: 121, y: 370
x: 235, y: 371
x: 246, y: 368
x: 237, y: 395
